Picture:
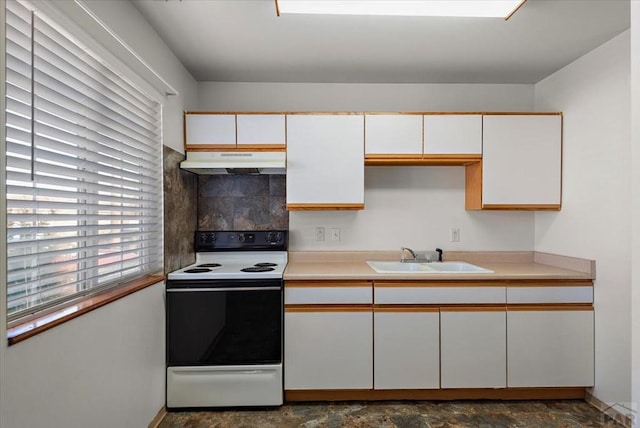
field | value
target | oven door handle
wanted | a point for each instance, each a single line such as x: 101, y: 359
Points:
x: 197, y: 290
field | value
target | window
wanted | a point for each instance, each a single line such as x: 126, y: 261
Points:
x: 84, y: 170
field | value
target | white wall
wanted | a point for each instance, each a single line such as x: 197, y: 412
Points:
x: 228, y: 96
x: 635, y: 210
x: 106, y: 368
x: 595, y: 221
x: 404, y: 206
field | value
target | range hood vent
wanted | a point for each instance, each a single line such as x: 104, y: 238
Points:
x: 253, y: 163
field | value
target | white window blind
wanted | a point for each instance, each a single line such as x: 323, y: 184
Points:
x: 84, y: 169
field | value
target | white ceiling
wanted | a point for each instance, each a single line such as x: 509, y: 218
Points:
x: 244, y: 41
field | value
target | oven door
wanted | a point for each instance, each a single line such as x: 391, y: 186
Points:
x: 224, y: 322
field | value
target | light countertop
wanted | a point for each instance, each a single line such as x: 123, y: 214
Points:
x: 506, y: 266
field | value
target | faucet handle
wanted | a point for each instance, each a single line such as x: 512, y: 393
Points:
x: 402, y: 251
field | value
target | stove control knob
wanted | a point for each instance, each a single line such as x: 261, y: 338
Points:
x: 241, y: 237
x: 273, y: 238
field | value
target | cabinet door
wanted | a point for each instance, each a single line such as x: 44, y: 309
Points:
x: 210, y: 130
x: 325, y: 162
x: 452, y: 134
x: 473, y: 353
x: 406, y: 349
x: 521, y: 160
x: 262, y: 131
x: 328, y: 349
x: 550, y: 348
x: 393, y: 134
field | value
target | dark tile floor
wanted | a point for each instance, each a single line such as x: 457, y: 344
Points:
x: 407, y: 414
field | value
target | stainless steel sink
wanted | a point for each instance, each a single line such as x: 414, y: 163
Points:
x: 434, y: 267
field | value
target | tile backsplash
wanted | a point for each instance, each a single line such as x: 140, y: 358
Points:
x: 242, y: 202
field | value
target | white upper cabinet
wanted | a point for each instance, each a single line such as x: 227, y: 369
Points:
x: 202, y: 130
x: 452, y: 134
x: 393, y: 134
x: 325, y: 161
x: 261, y: 130
x: 229, y: 131
x: 521, y: 161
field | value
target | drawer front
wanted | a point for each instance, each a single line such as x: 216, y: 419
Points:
x: 550, y: 294
x: 439, y: 295
x: 327, y: 295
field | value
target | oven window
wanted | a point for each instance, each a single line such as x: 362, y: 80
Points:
x: 224, y: 327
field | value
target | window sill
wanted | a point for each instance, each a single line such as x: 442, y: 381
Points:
x: 27, y: 329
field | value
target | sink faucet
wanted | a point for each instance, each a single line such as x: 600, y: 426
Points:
x: 410, y: 251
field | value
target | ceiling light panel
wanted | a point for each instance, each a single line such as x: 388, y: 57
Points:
x: 451, y: 8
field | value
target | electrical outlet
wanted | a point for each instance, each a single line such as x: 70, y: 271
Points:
x: 335, y: 234
x: 319, y: 233
x: 455, y: 234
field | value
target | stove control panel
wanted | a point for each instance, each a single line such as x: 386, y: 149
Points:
x: 234, y: 240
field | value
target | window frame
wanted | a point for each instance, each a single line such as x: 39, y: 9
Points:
x: 32, y: 321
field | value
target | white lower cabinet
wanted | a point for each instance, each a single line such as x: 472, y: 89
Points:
x: 328, y: 349
x: 406, y: 348
x: 550, y: 348
x: 473, y: 348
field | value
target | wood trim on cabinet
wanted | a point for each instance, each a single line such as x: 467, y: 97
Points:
x: 236, y: 148
x: 550, y: 283
x: 324, y: 207
x: 550, y: 307
x: 522, y: 113
x: 331, y: 283
x: 473, y: 186
x: 429, y: 283
x: 312, y: 307
x: 405, y: 308
x: 512, y: 12
x: 473, y: 308
x: 424, y: 113
x: 437, y: 394
x: 418, y: 160
x: 235, y: 112
x: 528, y: 207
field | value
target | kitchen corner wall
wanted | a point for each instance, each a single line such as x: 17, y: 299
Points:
x: 404, y: 206
x: 595, y: 221
x: 180, y: 211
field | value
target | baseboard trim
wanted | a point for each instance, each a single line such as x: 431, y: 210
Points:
x: 609, y: 410
x: 437, y: 394
x: 155, y: 422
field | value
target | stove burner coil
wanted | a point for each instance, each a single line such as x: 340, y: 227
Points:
x: 257, y: 269
x: 210, y: 265
x: 197, y: 270
x: 265, y: 264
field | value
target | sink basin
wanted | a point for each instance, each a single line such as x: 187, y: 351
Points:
x: 398, y: 267
x: 451, y: 267
x: 435, y: 267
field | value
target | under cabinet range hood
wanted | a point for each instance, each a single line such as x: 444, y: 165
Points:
x: 211, y: 163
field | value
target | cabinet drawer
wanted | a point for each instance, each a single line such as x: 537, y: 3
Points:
x: 438, y: 295
x: 333, y: 293
x: 581, y: 294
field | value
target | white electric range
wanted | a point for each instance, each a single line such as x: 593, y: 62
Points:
x: 225, y: 322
